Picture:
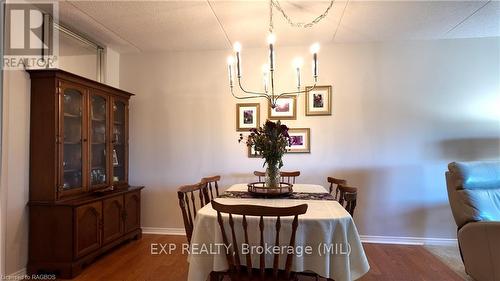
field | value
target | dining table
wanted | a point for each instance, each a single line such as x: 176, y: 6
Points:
x: 326, y: 243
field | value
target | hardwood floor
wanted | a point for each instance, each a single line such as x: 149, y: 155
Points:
x: 403, y: 262
x: 135, y: 262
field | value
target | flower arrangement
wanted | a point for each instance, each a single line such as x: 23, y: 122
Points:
x: 270, y: 141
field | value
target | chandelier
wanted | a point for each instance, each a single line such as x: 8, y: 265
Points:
x: 269, y: 68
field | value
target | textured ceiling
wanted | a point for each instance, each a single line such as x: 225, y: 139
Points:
x: 150, y: 26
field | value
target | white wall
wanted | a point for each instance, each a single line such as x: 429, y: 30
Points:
x: 401, y: 112
x: 83, y: 65
x: 112, y: 66
x: 15, y: 158
x: 15, y: 167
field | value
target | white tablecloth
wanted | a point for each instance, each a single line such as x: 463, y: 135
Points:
x: 327, y: 228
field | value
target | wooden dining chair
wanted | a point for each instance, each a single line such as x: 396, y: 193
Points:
x: 289, y: 177
x: 261, y: 175
x: 238, y: 272
x: 337, y: 183
x: 188, y: 195
x: 211, y: 183
x: 348, y: 198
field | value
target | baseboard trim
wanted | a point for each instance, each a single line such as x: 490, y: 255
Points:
x: 408, y: 240
x: 364, y: 238
x: 164, y: 230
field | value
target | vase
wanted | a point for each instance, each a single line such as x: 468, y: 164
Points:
x: 272, y: 175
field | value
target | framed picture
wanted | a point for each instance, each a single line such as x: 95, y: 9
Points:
x: 286, y: 109
x: 252, y: 153
x: 300, y: 140
x: 247, y: 116
x: 115, y: 159
x: 319, y: 100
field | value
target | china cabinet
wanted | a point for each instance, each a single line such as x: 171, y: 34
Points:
x: 80, y: 202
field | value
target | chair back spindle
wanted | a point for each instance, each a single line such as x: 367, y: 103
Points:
x: 288, y: 262
x: 234, y: 245
x: 248, y: 255
x: 277, y: 242
x: 212, y: 185
x: 233, y: 258
x: 261, y: 175
x: 229, y: 258
x: 187, y: 202
x: 289, y: 177
x: 337, y: 182
x: 262, y: 264
x: 348, y: 198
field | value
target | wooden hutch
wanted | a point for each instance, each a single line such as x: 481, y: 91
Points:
x: 80, y: 203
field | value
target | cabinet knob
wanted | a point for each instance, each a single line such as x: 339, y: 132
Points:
x: 84, y: 140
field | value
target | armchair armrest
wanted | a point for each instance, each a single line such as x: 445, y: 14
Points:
x: 480, y: 248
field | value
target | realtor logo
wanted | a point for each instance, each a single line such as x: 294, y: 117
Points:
x: 29, y: 35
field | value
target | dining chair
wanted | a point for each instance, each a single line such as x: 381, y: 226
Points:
x: 261, y: 175
x: 211, y: 182
x: 337, y: 182
x: 187, y: 193
x: 289, y: 177
x: 236, y: 270
x: 348, y: 198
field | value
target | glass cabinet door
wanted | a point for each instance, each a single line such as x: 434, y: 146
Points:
x: 119, y: 141
x: 73, y: 137
x: 98, y: 141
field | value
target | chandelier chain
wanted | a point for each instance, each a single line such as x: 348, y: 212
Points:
x: 271, y: 23
x: 276, y: 4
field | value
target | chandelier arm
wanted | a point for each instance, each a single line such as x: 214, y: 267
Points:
x: 250, y: 92
x: 296, y: 92
x: 247, y: 97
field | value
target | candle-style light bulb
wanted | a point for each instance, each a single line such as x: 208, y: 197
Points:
x: 265, y: 68
x: 314, y: 50
x: 237, y: 50
x: 297, y: 64
x: 271, y: 38
x: 237, y: 47
x: 230, y: 63
x: 265, y: 77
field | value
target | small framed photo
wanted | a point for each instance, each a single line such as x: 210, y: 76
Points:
x: 247, y: 116
x: 300, y: 140
x: 115, y: 159
x: 252, y: 153
x: 286, y: 109
x: 318, y: 100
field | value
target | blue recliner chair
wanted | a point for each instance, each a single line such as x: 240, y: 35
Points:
x: 474, y: 195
